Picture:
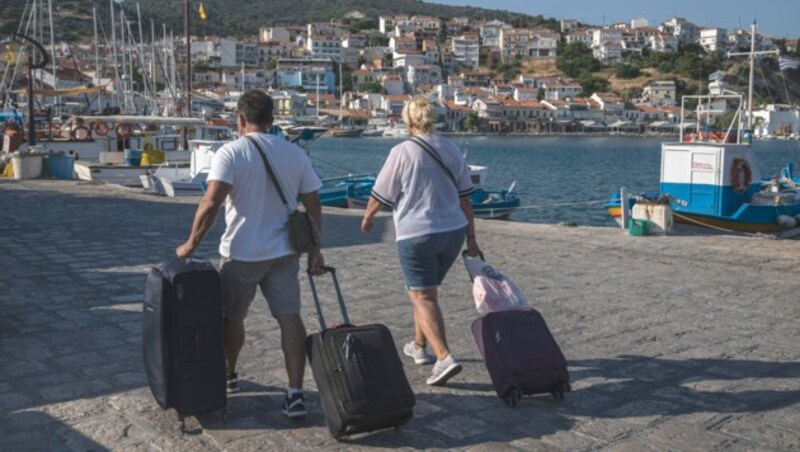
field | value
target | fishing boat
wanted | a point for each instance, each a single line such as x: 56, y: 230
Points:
x: 487, y: 204
x: 138, y: 134
x: 334, y: 191
x: 346, y: 132
x: 711, y: 178
x: 396, y: 130
x: 168, y: 180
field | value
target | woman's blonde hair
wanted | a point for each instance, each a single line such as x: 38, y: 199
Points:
x: 418, y: 113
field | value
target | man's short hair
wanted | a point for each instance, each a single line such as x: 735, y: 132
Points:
x: 256, y: 107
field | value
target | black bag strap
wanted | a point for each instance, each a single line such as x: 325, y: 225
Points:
x: 270, y: 171
x: 429, y: 149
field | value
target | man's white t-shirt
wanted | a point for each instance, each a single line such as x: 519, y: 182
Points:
x: 255, y: 217
x: 423, y: 198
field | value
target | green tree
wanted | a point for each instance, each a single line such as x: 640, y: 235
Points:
x: 378, y: 40
x: 592, y: 84
x: 371, y: 87
x: 627, y: 71
x: 470, y: 121
x: 666, y: 67
x: 629, y: 94
x: 723, y: 121
x: 577, y: 58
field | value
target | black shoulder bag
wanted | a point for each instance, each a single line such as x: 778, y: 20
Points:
x: 303, y: 232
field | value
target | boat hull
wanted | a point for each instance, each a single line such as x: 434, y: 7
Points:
x: 727, y: 224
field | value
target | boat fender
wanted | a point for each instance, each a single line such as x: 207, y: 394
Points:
x: 55, y: 130
x: 786, y: 221
x: 101, y: 128
x: 741, y: 175
x: 123, y: 130
x: 86, y: 135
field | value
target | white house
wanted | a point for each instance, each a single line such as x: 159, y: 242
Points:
x: 662, y: 92
x: 776, y: 120
x: 713, y: 39
x: 323, y: 46
x: 465, y: 50
x: 663, y: 42
x: 273, y: 34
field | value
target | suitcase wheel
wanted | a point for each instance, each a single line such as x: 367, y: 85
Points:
x: 560, y: 390
x: 512, y: 397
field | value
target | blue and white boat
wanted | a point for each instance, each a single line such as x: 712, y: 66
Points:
x: 711, y: 177
x: 334, y: 191
x: 487, y: 204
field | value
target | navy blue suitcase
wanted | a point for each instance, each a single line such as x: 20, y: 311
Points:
x: 182, y: 343
x: 521, y: 355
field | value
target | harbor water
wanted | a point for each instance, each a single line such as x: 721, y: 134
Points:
x: 559, y: 179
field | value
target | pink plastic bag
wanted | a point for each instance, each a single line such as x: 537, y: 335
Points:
x: 492, y: 290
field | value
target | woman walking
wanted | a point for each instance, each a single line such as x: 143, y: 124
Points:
x: 426, y: 183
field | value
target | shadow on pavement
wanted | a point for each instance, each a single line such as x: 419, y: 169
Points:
x: 639, y: 386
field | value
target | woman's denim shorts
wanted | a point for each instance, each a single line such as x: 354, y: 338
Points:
x: 426, y: 259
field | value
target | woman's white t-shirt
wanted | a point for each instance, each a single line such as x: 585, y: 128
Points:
x: 423, y: 198
x: 255, y: 217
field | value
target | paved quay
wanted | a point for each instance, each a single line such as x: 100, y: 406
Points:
x: 685, y: 342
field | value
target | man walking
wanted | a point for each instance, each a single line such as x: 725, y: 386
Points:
x: 255, y: 246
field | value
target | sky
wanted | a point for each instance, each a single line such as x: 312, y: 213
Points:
x: 780, y: 18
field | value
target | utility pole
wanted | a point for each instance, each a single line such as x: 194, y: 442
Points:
x: 187, y: 86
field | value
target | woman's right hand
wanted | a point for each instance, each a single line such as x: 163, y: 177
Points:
x: 366, y: 224
x: 472, y: 247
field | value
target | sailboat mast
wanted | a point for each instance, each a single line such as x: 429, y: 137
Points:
x: 114, y: 51
x: 187, y: 30
x: 750, y: 83
x: 96, y: 61
x: 53, y: 60
x: 140, y: 47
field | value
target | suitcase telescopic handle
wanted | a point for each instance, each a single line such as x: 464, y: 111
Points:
x: 342, y: 307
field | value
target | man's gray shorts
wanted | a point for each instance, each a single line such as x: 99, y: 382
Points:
x: 278, y: 279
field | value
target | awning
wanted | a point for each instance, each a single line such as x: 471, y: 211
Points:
x: 592, y: 125
x: 618, y: 124
x: 662, y: 125
x: 66, y: 92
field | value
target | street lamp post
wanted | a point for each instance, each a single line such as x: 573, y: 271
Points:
x: 45, y: 59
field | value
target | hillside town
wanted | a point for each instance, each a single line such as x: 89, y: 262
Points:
x: 485, y: 76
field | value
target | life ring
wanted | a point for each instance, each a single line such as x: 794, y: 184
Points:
x: 741, y: 175
x: 123, y: 130
x: 101, y: 128
x: 55, y: 130
x: 87, y: 134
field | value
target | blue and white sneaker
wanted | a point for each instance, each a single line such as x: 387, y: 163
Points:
x: 294, y: 407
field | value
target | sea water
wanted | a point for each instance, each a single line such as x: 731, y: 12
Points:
x: 559, y: 179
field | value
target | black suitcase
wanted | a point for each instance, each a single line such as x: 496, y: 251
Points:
x: 359, y: 375
x: 521, y: 355
x: 182, y: 337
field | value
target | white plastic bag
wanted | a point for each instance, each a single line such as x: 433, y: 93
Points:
x: 492, y: 290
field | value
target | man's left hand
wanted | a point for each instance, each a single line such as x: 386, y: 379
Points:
x: 315, y: 262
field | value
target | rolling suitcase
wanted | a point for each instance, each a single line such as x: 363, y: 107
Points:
x: 521, y: 355
x: 359, y: 375
x: 182, y: 337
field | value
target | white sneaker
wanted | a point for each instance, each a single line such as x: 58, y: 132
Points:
x: 420, y: 355
x: 443, y: 371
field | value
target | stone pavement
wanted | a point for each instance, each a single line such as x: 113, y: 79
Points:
x: 685, y: 342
